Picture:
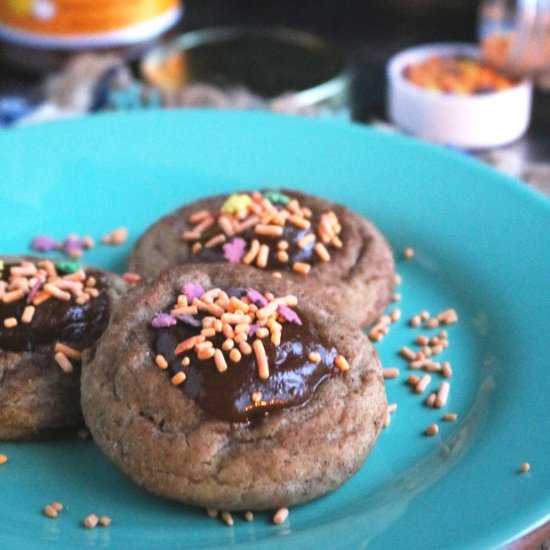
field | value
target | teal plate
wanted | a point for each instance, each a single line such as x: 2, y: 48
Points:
x: 481, y: 244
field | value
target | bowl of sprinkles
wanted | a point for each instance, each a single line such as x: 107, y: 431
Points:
x: 447, y: 94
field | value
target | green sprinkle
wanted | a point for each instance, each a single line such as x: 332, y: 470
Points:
x: 67, y: 267
x: 276, y: 197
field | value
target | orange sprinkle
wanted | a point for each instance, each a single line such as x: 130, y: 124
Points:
x: 50, y: 511
x: 235, y: 355
x: 432, y: 429
x: 322, y: 252
x: 56, y: 292
x: 219, y: 359
x: 450, y: 417
x: 276, y: 337
x: 178, y: 378
x: 188, y: 344
x: 252, y: 253
x: 161, y: 362
x: 261, y: 359
x: 269, y: 230
x: 13, y: 296
x: 342, y: 363
x: 3, y: 459
x: 215, y: 241
x: 185, y: 361
x: 228, y: 345
x: 10, y: 322
x: 105, y: 521
x: 390, y: 372
x: 71, y: 353
x: 282, y: 256
x: 63, y: 361
x: 408, y: 253
x: 423, y: 383
x: 282, y: 245
x: 525, y: 467
x: 263, y: 255
x: 196, y: 248
x: 91, y: 521
x: 442, y: 394
x: 298, y: 221
x: 315, y: 357
x: 301, y: 267
x: 306, y: 240
x: 280, y: 516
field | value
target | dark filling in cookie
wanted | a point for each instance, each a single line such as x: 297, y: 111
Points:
x: 269, y: 230
x: 54, y: 320
x: 290, y: 233
x: 228, y: 395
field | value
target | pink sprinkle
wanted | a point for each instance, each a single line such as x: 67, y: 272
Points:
x: 161, y: 320
x: 256, y: 297
x: 188, y: 319
x: 43, y: 243
x: 288, y: 314
x: 235, y: 250
x: 192, y: 290
x: 34, y: 290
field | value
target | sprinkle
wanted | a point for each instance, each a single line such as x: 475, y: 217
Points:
x: 234, y: 251
x: 200, y: 216
x: 432, y: 323
x: 248, y: 516
x: 390, y: 373
x: 162, y: 320
x: 256, y: 297
x: 432, y: 429
x: 299, y: 222
x: 280, y: 516
x: 71, y: 353
x: 282, y: 245
x: 448, y: 317
x: 50, y: 511
x: 525, y: 467
x: 446, y: 369
x: 261, y: 359
x: 301, y: 267
x: 321, y: 251
x: 161, y: 362
x: 236, y: 203
x: 269, y: 230
x: 235, y: 355
x: 192, y: 290
x: 131, y: 278
x: 227, y: 518
x: 256, y: 397
x: 116, y: 237
x: 212, y: 513
x: 178, y: 378
x: 423, y: 383
x: 105, y: 521
x: 56, y: 292
x: 342, y: 363
x: 91, y: 521
x: 306, y: 240
x: 442, y: 394
x: 219, y: 359
x: 450, y: 417
x: 276, y: 197
x: 252, y: 253
x: 407, y: 353
x: 415, y: 321
x: 413, y: 380
x: 314, y: 357
x: 13, y: 296
x: 188, y: 344
x: 44, y: 243
x: 408, y: 253
x: 63, y: 361
x: 10, y: 322
x: 185, y: 361
x: 215, y: 241
x: 3, y: 459
x: 430, y: 400
x: 288, y: 314
x: 263, y: 256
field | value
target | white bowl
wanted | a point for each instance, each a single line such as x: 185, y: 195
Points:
x: 468, y: 121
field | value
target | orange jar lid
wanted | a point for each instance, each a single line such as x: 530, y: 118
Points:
x: 85, y: 23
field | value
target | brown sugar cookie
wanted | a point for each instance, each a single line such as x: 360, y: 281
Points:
x: 49, y: 313
x: 231, y: 389
x: 324, y: 246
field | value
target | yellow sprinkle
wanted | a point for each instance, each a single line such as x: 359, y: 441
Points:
x: 235, y: 203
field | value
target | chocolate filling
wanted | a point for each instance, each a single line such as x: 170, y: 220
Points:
x: 55, y: 320
x: 228, y: 395
x: 291, y: 233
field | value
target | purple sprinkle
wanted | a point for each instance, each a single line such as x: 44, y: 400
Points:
x: 256, y: 297
x: 188, y: 319
x: 253, y: 329
x: 34, y: 290
x: 192, y: 290
x: 288, y: 314
x: 234, y: 251
x: 162, y: 320
x: 43, y: 243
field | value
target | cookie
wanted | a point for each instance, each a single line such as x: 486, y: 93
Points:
x: 324, y: 246
x: 49, y: 313
x: 223, y: 387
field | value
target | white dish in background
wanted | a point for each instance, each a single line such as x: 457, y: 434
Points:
x: 468, y: 121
